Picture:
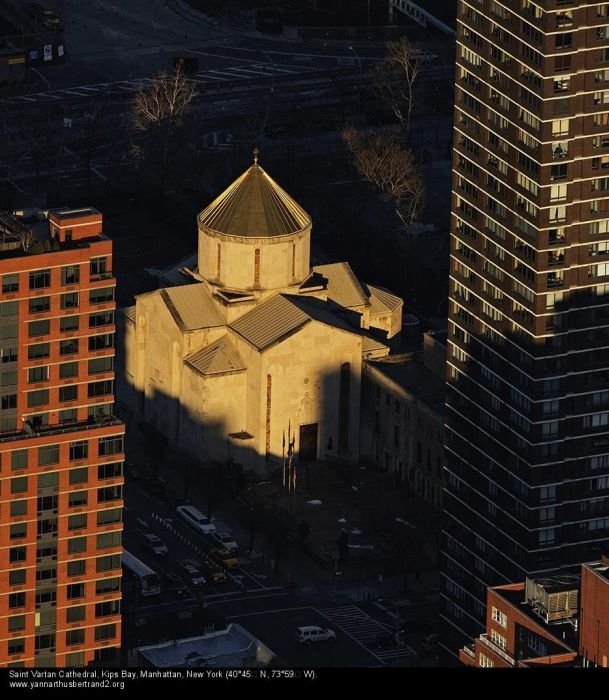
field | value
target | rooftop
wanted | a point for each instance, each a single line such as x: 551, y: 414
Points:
x: 234, y: 646
x: 220, y: 357
x: 342, y: 285
x: 192, y: 306
x: 254, y: 206
x: 410, y: 373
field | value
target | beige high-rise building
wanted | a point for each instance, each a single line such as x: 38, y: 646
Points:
x: 249, y: 347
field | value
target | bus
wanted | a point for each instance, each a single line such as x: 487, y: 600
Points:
x: 146, y: 579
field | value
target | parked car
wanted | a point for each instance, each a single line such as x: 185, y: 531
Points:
x: 312, y: 633
x: 224, y: 558
x: 213, y: 572
x: 193, y: 573
x: 225, y: 540
x: 196, y: 519
x: 155, y: 544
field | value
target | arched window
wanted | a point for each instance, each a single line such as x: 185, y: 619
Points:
x: 343, y: 406
x: 218, y: 260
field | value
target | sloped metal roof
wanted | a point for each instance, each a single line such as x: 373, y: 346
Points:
x: 343, y: 287
x: 270, y: 321
x: 282, y: 315
x: 254, y: 206
x: 382, y: 301
x: 218, y: 358
x: 128, y: 312
x: 192, y: 306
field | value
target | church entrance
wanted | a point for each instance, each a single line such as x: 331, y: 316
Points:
x: 307, y: 443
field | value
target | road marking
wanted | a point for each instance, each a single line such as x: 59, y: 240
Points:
x: 266, y: 612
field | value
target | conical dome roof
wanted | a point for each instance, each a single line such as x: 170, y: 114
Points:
x: 254, y: 206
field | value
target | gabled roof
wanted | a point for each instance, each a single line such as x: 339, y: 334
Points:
x: 192, y: 307
x: 343, y: 287
x: 218, y: 358
x: 254, y: 206
x: 282, y: 315
x: 382, y: 301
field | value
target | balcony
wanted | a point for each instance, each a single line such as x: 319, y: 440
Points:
x: 484, y: 639
x: 555, y: 280
x: 48, y: 430
x: 556, y: 258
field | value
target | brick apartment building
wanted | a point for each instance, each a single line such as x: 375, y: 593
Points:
x: 555, y: 620
x: 527, y: 410
x: 61, y: 448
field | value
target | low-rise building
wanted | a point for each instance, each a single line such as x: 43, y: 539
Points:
x: 403, y: 417
x: 594, y: 614
x: 233, y: 647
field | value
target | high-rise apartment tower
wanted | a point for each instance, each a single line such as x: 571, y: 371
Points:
x: 61, y: 449
x: 527, y: 427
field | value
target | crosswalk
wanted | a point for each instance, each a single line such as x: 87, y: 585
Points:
x: 209, y: 77
x: 366, y: 630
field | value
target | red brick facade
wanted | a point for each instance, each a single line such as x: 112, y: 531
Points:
x: 594, y: 617
x: 61, y: 448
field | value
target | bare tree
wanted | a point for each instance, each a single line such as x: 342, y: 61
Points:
x: 397, y: 74
x: 381, y: 160
x: 158, y: 114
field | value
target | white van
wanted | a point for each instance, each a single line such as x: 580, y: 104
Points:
x: 196, y: 519
x: 312, y: 633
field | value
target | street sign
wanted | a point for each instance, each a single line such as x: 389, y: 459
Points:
x: 48, y: 52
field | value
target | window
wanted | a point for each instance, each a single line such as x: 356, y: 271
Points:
x: 109, y: 539
x: 68, y: 393
x: 101, y: 342
x: 38, y: 351
x: 69, y: 323
x: 107, y: 517
x: 8, y: 309
x: 68, y: 369
x: 18, y: 508
x: 16, y: 646
x: 38, y: 374
x: 98, y: 266
x: 107, y: 585
x: 49, y: 454
x: 105, y: 632
x: 79, y: 476
x: 76, y: 613
x: 110, y: 445
x: 77, y: 545
x: 17, y: 600
x: 484, y: 661
x: 69, y: 300
x: 68, y: 347
x: 10, y: 284
x: 499, y: 617
x: 8, y: 354
x: 102, y: 319
x: 110, y: 471
x: 75, y: 636
x: 77, y: 568
x: 101, y: 364
x: 39, y: 304
x: 16, y: 623
x: 101, y: 295
x: 547, y: 536
x: 102, y: 388
x: 18, y: 531
x: 46, y: 503
x: 17, y: 554
x: 112, y: 561
x: 40, y: 279
x: 70, y: 274
x: 107, y: 608
x: 68, y: 415
x: 38, y: 398
x: 77, y: 498
x: 19, y: 484
x: 8, y: 401
x: 77, y: 522
x: 109, y: 493
x: 79, y: 450
x: 19, y: 459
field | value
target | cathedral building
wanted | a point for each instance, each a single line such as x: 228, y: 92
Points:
x: 249, y: 351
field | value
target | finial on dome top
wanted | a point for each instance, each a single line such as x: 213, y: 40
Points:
x: 256, y: 153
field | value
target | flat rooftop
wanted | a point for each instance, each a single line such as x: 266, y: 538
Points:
x: 411, y: 374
